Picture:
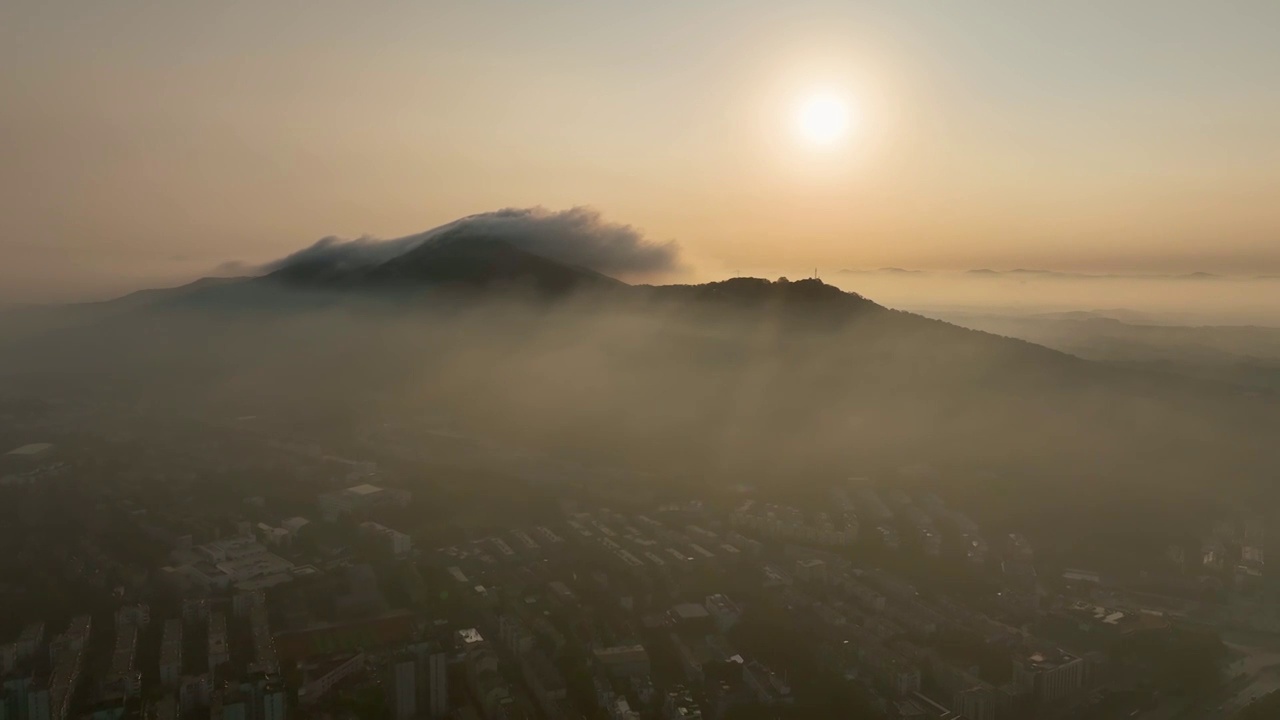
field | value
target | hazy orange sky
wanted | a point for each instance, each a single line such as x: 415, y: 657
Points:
x: 149, y: 141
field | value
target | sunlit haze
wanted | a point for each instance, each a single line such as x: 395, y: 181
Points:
x: 640, y: 359
x: 147, y: 143
x: 823, y: 119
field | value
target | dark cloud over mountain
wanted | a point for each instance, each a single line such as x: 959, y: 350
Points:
x: 578, y: 236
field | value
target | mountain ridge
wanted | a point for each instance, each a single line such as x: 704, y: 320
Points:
x: 741, y: 376
x: 449, y: 258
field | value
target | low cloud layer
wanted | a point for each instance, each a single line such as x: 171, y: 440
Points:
x: 578, y: 236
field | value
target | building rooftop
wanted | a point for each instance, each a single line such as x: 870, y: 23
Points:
x: 1047, y: 659
x: 248, y: 568
x: 326, y: 665
x: 1078, y: 575
x: 690, y: 611
x: 30, y: 450
x: 294, y: 524
x: 364, y: 490
x: 470, y: 636
x: 545, y: 671
x: 608, y: 653
x: 559, y: 588
x: 79, y: 627
x: 721, y: 603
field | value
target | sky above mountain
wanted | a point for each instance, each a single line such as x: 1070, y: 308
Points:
x: 144, y: 142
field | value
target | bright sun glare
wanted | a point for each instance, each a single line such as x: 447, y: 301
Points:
x: 823, y: 119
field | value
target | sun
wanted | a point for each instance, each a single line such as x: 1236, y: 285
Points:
x: 823, y: 119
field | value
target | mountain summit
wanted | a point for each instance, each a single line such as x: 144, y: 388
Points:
x: 449, y: 260
x: 463, y: 260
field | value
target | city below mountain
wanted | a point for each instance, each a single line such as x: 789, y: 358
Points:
x: 814, y: 360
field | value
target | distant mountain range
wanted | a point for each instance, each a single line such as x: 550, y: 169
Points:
x: 884, y: 271
x: 1030, y: 274
x: 1244, y: 355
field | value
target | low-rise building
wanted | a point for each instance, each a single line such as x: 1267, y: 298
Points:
x: 395, y: 541
x: 681, y: 705
x: 724, y: 612
x: 811, y: 570
x: 624, y: 661
x: 237, y: 562
x: 359, y: 498
x: 769, y: 687
x: 320, y: 676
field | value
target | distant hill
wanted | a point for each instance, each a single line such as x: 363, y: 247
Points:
x: 751, y: 292
x: 1029, y: 273
x: 883, y: 271
x: 1241, y: 355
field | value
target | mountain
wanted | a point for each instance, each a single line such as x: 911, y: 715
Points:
x: 450, y: 260
x: 739, y: 380
x: 146, y: 297
x: 742, y: 293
